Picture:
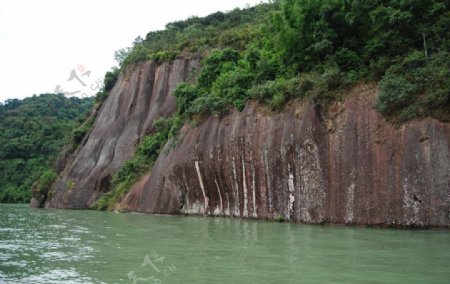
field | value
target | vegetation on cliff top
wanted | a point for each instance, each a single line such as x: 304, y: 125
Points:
x: 32, y: 133
x: 306, y: 48
x: 299, y: 48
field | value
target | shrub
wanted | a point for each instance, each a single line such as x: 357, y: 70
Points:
x: 208, y: 104
x: 163, y: 56
x: 278, y: 100
x: 277, y: 92
x: 185, y: 94
x: 396, y: 92
x: 416, y: 87
x: 79, y: 133
x: 232, y: 86
x: 45, y: 181
x: 263, y: 92
x: 347, y: 59
x: 110, y: 79
x: 101, y: 96
x: 212, y: 65
x: 332, y: 77
x: 11, y: 194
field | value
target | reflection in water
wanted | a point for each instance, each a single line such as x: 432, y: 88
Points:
x: 57, y: 246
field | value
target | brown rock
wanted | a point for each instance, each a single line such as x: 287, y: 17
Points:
x: 344, y: 165
x: 257, y: 165
x: 138, y: 98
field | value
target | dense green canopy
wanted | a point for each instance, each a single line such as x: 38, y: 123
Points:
x: 32, y: 132
x: 308, y: 48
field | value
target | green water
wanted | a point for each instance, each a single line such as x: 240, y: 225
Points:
x: 61, y: 246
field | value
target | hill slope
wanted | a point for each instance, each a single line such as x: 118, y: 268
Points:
x: 32, y: 132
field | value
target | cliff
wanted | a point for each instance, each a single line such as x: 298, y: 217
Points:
x: 140, y: 96
x: 343, y: 164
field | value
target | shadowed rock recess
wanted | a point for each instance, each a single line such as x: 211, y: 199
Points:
x: 344, y: 164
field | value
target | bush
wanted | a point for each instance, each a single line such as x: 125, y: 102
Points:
x: 232, y: 86
x: 208, y: 104
x: 278, y: 91
x: 163, y: 56
x: 263, y: 92
x: 109, y: 82
x: 110, y: 79
x: 416, y: 86
x: 396, y: 92
x: 212, y: 66
x: 14, y: 195
x: 278, y: 101
x: 347, y: 60
x: 79, y: 133
x: 101, y: 96
x: 46, y: 181
x: 185, y: 94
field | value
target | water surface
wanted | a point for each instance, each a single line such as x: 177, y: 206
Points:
x: 63, y: 246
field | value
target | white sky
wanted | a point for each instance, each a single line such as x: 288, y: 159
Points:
x: 41, y: 42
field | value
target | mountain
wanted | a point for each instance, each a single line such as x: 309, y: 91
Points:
x: 318, y: 112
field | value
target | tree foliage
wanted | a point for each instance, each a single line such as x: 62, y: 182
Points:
x: 402, y: 44
x: 32, y: 132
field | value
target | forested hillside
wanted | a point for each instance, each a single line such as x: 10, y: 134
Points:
x: 299, y: 49
x: 304, y: 48
x: 32, y: 133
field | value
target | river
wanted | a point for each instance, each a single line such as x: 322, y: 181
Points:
x: 66, y: 246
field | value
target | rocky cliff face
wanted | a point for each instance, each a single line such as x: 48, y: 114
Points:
x: 344, y: 164
x: 138, y: 98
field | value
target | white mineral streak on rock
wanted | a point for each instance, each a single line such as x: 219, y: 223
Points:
x: 194, y: 208
x: 227, y: 211
x: 220, y: 198
x: 236, y: 189
x: 197, y: 167
x: 255, y: 214
x: 349, y: 207
x: 244, y: 188
x: 267, y: 174
x: 291, y: 192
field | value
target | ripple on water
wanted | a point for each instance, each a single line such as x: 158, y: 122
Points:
x: 58, y: 276
x: 4, y: 256
x: 13, y: 247
x: 70, y: 239
x: 37, y: 246
x: 79, y: 230
x: 21, y: 263
x: 55, y: 227
x: 10, y: 230
x: 58, y: 256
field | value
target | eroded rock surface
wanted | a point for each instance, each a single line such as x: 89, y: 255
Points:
x: 138, y: 98
x: 342, y: 165
x: 345, y: 164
